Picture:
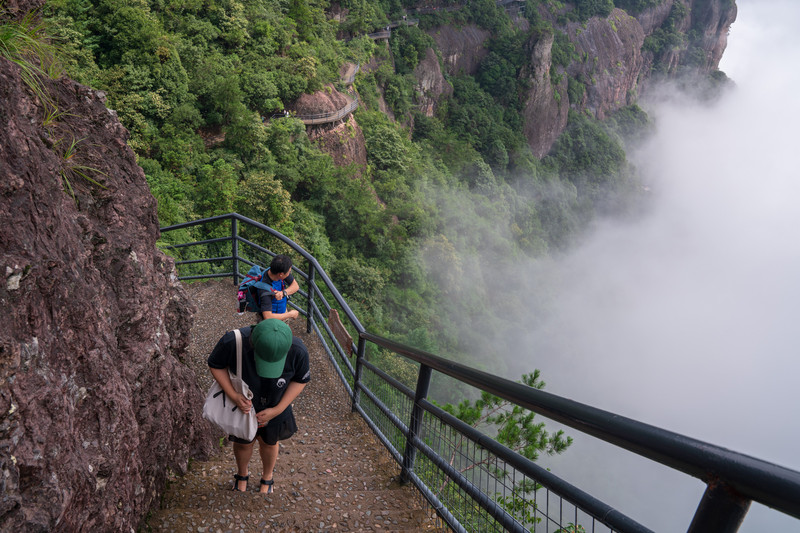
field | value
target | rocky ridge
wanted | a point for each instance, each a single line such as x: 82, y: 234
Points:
x: 610, y: 62
x: 547, y: 107
x: 95, y: 322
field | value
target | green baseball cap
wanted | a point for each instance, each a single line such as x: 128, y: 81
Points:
x: 271, y: 341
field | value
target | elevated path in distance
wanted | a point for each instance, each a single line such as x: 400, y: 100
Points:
x: 332, y: 116
x: 386, y: 33
x: 348, y: 77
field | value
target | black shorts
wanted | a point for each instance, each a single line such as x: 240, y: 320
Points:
x: 280, y: 428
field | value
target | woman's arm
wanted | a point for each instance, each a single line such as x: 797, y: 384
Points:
x: 292, y: 391
x: 224, y: 380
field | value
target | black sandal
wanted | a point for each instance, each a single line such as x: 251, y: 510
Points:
x: 237, y: 478
x: 269, y: 484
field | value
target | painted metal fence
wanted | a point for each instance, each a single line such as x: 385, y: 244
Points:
x: 473, y: 482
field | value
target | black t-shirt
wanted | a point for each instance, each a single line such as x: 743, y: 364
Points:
x: 266, y: 392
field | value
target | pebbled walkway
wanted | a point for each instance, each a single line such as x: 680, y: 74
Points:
x: 332, y: 475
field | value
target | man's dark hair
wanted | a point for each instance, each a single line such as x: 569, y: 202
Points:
x: 281, y: 264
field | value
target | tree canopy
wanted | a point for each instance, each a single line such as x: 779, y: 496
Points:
x: 197, y: 85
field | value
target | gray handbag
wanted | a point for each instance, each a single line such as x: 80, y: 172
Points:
x: 223, y: 412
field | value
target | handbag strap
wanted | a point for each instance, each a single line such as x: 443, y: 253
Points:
x: 238, y: 383
x: 238, y: 334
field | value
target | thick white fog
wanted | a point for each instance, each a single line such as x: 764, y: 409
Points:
x: 690, y: 319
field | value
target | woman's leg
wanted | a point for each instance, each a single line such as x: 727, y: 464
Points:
x: 269, y: 456
x: 242, y: 453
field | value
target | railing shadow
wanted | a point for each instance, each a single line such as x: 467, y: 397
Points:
x: 473, y: 482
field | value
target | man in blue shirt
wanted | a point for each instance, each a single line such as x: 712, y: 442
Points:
x: 273, y: 303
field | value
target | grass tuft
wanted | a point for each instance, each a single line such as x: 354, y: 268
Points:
x: 71, y: 169
x: 24, y: 43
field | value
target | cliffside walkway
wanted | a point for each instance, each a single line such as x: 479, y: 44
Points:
x: 429, y: 9
x: 332, y: 116
x: 332, y: 475
x: 387, y: 32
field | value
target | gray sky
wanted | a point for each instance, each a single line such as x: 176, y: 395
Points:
x: 688, y: 320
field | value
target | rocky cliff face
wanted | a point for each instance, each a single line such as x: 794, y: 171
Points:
x: 614, y: 68
x: 712, y: 19
x: 343, y: 139
x: 610, y: 61
x: 431, y: 83
x: 96, y: 406
x: 462, y: 48
x: 547, y: 106
x: 709, y: 20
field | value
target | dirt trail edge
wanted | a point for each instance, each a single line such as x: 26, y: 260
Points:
x: 332, y: 475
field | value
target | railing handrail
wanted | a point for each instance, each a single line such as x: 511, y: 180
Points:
x: 773, y: 485
x: 330, y: 116
x: 321, y: 118
x: 733, y: 479
x: 296, y: 247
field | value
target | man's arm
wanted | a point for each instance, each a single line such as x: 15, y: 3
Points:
x: 292, y: 313
x: 291, y: 289
x: 264, y: 296
x: 292, y: 391
x: 287, y: 291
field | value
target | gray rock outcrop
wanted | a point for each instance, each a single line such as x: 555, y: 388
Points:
x: 431, y: 84
x: 96, y: 407
x: 547, y: 105
x: 462, y: 48
x: 610, y: 61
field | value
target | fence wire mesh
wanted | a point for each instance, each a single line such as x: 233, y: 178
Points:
x: 511, y: 492
x: 533, y: 507
x: 395, y: 401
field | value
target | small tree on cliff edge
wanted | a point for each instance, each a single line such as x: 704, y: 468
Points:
x: 515, y: 428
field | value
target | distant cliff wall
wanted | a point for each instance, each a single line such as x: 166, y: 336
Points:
x: 462, y: 48
x: 612, y: 61
x: 546, y: 105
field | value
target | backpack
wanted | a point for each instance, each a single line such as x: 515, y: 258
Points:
x: 256, y: 279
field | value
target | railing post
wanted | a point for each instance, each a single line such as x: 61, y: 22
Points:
x: 235, y: 249
x: 311, y: 285
x: 362, y: 344
x: 423, y: 384
x: 721, y: 510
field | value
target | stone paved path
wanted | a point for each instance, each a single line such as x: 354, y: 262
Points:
x: 333, y: 475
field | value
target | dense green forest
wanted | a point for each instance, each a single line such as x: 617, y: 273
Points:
x: 459, y: 193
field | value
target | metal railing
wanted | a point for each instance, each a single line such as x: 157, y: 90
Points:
x: 331, y: 116
x: 473, y: 482
x: 381, y: 34
x: 405, y: 21
x: 352, y: 76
